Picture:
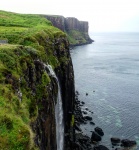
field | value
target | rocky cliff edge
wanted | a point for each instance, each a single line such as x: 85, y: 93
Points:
x: 77, y: 31
x: 28, y: 93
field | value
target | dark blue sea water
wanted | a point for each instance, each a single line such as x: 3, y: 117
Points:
x: 108, y: 70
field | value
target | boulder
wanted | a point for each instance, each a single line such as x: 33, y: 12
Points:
x: 95, y: 137
x: 128, y: 143
x: 80, y: 119
x: 86, y: 109
x: 100, y: 147
x: 77, y: 102
x: 82, y: 102
x: 84, y: 112
x: 115, y: 140
x: 92, y: 123
x: 87, y: 117
x: 99, y: 131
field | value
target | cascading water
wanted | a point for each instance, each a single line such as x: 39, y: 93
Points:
x: 58, y: 113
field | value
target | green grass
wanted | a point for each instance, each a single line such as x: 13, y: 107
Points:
x: 15, y: 130
x: 29, y: 37
x: 30, y: 30
x: 19, y: 27
x: 20, y: 20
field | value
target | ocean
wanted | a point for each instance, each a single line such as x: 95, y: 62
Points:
x: 108, y: 70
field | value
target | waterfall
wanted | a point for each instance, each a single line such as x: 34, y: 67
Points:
x: 58, y: 112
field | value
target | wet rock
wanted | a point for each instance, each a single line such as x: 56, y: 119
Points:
x: 84, y: 142
x: 76, y: 98
x: 115, y: 140
x: 95, y: 137
x: 77, y: 93
x: 84, y: 122
x: 77, y: 102
x: 86, y: 109
x: 84, y: 112
x: 76, y: 145
x: 128, y: 143
x: 77, y: 128
x: 92, y: 123
x: 87, y: 118
x: 99, y: 131
x: 84, y: 138
x: 82, y: 102
x: 100, y: 147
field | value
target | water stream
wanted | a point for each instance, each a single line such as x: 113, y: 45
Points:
x: 58, y: 113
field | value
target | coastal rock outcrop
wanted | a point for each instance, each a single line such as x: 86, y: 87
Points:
x: 115, y: 141
x: 128, y: 143
x: 77, y: 31
x: 95, y: 137
x: 99, y: 131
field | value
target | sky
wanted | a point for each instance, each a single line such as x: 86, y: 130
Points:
x: 102, y: 15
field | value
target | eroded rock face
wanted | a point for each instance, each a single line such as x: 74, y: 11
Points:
x: 44, y: 126
x: 66, y: 24
x: 76, y: 30
x: 66, y: 78
x: 57, y: 21
x: 72, y: 23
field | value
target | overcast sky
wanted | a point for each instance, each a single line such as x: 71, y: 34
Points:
x: 102, y: 15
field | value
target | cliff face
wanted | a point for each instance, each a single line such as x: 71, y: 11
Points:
x: 57, y: 21
x: 44, y: 125
x: 28, y: 93
x: 75, y: 24
x: 77, y: 31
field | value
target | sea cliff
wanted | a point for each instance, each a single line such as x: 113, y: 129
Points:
x: 28, y: 93
x: 77, y: 31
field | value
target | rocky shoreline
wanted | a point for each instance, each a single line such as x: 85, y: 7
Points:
x: 84, y: 142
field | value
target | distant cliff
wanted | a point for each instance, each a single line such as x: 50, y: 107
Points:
x: 77, y: 31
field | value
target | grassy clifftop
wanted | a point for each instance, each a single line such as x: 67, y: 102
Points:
x: 30, y: 38
x: 17, y: 27
x: 30, y: 30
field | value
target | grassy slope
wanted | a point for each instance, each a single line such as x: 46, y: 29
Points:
x: 76, y: 37
x: 29, y: 37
